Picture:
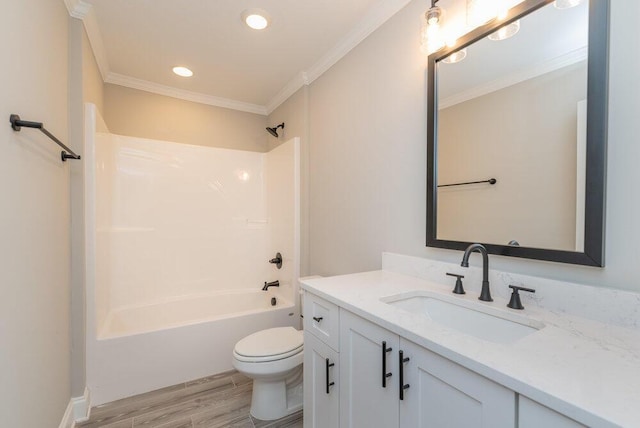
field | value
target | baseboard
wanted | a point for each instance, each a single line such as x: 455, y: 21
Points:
x: 82, y: 406
x: 67, y: 419
x: 78, y: 410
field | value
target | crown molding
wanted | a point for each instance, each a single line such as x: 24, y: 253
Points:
x: 367, y: 25
x: 196, y: 97
x: 77, y: 8
x: 94, y: 35
x: 290, y: 88
x: 544, y: 67
x: 371, y: 22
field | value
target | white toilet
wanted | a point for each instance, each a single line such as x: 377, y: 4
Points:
x: 273, y: 359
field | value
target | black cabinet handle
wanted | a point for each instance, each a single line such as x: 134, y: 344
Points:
x: 317, y: 319
x: 403, y: 386
x: 327, y: 365
x: 385, y: 375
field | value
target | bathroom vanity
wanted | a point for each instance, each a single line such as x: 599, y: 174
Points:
x: 395, y: 348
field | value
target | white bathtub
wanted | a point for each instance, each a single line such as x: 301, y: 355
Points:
x: 145, y: 348
x: 179, y: 312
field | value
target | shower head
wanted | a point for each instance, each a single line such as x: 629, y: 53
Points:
x: 274, y: 131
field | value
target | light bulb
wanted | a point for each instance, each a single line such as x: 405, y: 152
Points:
x: 455, y: 57
x: 506, y: 31
x: 480, y: 11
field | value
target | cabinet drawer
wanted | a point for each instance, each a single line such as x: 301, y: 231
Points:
x: 321, y: 318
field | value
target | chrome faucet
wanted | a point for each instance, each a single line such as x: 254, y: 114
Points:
x: 275, y: 283
x: 485, y: 294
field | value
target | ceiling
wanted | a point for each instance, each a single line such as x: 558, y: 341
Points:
x: 137, y: 42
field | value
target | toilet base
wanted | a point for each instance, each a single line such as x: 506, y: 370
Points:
x: 275, y: 399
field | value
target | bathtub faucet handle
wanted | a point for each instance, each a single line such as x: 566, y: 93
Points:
x: 275, y: 283
x: 277, y: 260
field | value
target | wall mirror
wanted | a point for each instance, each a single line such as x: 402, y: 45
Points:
x: 517, y: 135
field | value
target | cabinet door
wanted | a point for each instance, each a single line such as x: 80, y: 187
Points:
x: 364, y: 401
x: 443, y: 394
x: 534, y: 415
x: 321, y: 383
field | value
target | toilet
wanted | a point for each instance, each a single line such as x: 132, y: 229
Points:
x: 273, y: 359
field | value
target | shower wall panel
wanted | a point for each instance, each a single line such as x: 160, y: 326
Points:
x: 173, y: 219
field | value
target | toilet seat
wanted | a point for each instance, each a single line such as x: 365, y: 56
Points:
x: 269, y: 345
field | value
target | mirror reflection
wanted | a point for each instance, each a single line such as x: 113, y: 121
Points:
x: 514, y: 110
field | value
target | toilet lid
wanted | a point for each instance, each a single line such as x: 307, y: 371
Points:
x: 271, y: 342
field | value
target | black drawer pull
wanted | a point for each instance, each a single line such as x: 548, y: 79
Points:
x: 403, y: 386
x: 385, y: 375
x: 327, y: 365
x: 317, y: 319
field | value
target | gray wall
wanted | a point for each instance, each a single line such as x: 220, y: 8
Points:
x: 368, y: 157
x: 35, y: 244
x: 143, y: 114
x: 85, y: 87
x: 534, y: 161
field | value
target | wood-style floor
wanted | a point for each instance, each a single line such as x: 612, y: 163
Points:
x: 212, y: 402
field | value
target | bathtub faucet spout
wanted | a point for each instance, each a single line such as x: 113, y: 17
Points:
x: 270, y: 284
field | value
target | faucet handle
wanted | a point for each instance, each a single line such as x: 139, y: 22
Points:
x: 514, y: 302
x: 277, y: 260
x: 458, y: 289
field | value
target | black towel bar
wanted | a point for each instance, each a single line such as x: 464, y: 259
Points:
x: 490, y: 181
x: 17, y: 124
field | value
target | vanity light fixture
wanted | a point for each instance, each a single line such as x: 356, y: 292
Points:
x: 431, y: 38
x: 257, y: 19
x: 480, y: 12
x: 182, y: 71
x: 456, y: 57
x: 505, y: 32
x: 566, y: 4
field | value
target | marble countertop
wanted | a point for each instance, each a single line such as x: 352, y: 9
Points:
x: 585, y: 369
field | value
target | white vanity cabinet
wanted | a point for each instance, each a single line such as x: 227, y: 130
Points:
x: 368, y: 374
x: 321, y: 363
x: 441, y: 393
x: 321, y: 374
x: 425, y: 390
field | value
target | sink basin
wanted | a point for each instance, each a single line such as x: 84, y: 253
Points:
x: 467, y: 317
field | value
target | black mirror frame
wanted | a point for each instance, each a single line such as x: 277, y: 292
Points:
x: 596, y: 162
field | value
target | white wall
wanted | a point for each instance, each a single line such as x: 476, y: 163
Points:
x: 34, y: 249
x: 368, y: 157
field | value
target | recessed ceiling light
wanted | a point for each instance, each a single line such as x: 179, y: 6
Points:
x: 183, y: 71
x: 256, y: 18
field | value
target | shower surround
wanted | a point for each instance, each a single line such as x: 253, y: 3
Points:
x: 178, y: 243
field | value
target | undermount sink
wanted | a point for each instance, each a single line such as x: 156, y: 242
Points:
x: 467, y: 317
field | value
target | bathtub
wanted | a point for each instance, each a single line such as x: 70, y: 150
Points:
x: 179, y: 340
x: 179, y: 312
